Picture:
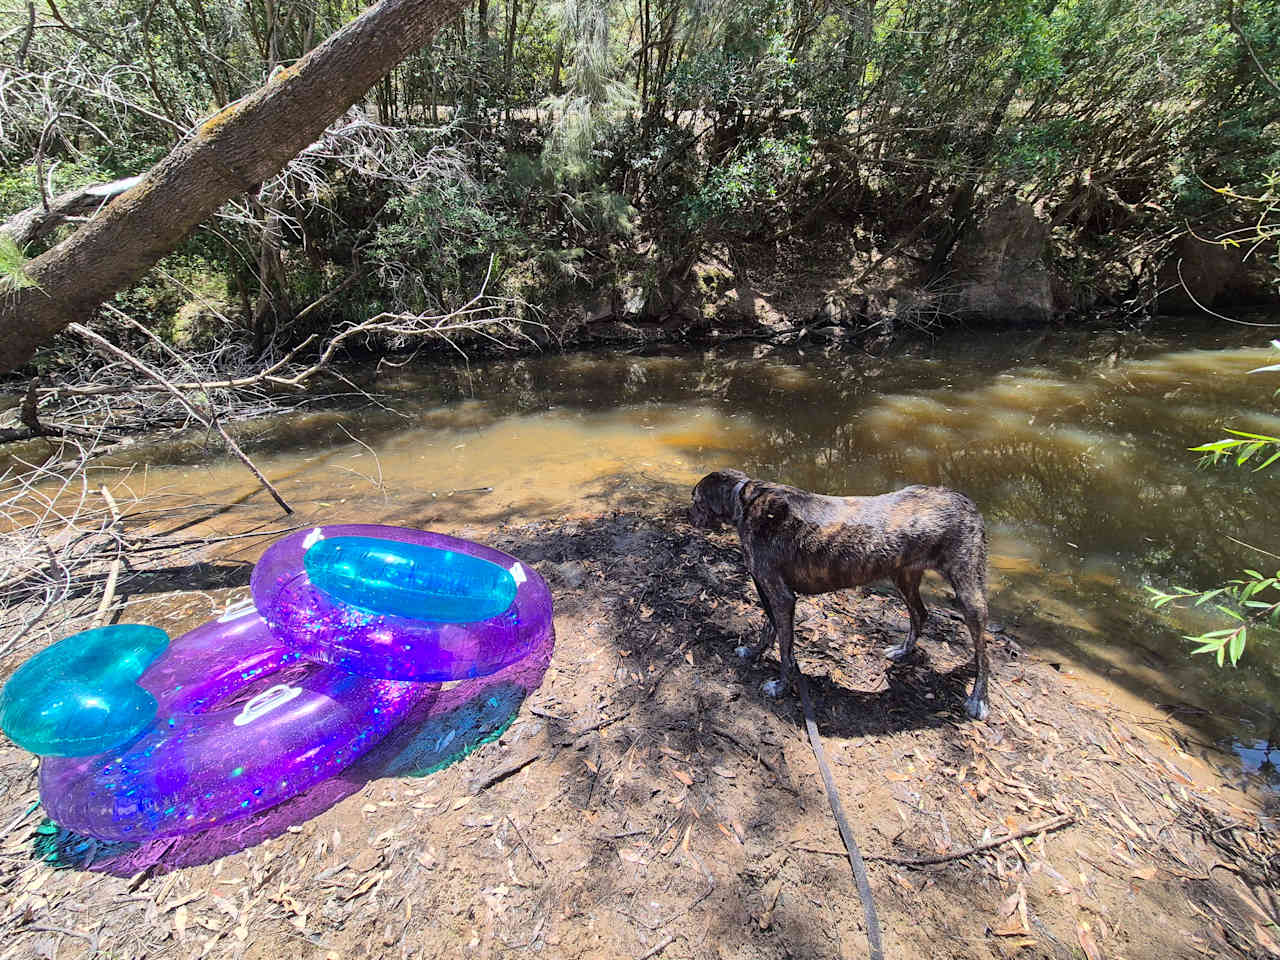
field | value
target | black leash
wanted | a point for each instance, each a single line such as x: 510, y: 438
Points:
x: 850, y: 845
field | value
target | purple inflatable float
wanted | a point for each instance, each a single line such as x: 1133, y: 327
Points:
x: 353, y: 626
x: 371, y: 632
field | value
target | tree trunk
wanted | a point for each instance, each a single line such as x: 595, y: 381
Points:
x: 230, y: 154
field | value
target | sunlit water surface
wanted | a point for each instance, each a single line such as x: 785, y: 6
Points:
x: 1073, y: 444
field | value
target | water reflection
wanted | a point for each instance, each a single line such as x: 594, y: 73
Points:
x: 1073, y: 444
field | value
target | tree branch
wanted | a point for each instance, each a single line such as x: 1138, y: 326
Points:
x: 207, y: 419
x: 229, y: 154
x: 39, y: 221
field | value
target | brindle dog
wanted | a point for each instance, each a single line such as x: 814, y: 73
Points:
x: 799, y: 542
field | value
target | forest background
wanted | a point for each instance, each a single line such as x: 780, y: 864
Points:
x: 616, y: 165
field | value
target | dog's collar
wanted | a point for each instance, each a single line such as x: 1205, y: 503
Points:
x: 735, y: 499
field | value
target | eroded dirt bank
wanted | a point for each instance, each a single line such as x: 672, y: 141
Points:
x: 655, y: 804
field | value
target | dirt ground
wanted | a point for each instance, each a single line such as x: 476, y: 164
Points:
x: 647, y: 801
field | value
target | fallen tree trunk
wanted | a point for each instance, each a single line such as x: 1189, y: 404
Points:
x: 229, y: 154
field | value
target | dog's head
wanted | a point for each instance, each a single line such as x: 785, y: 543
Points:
x: 714, y: 499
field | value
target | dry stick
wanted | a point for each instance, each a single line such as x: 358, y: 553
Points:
x: 525, y: 843
x: 214, y: 420
x: 109, y: 594
x: 1045, y: 826
x: 485, y: 780
x: 478, y: 312
x: 204, y: 541
x: 210, y: 420
x: 236, y: 383
x: 671, y: 938
x: 837, y: 809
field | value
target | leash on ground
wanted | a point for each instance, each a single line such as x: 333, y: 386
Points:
x: 837, y: 809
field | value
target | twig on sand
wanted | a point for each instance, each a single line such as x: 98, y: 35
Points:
x: 1044, y: 826
x: 108, y: 594
x: 759, y: 758
x: 486, y: 780
x: 576, y: 734
x: 654, y: 951
x: 527, y: 846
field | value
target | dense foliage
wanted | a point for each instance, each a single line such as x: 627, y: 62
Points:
x: 596, y: 145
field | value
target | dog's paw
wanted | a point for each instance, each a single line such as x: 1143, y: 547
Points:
x: 745, y: 653
x: 900, y: 652
x: 976, y: 708
x: 773, y: 688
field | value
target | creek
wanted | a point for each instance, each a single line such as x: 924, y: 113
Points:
x: 1072, y: 443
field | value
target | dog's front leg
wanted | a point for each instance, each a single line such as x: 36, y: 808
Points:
x: 770, y: 631
x: 908, y: 583
x: 783, y: 603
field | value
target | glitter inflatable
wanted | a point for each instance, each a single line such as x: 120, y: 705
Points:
x: 81, y: 695
x: 241, y: 724
x: 389, y: 602
x: 350, y: 630
x: 409, y: 580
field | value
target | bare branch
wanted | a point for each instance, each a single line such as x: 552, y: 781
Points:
x: 208, y: 418
x: 39, y: 221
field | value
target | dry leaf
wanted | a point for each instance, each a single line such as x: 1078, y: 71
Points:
x: 682, y: 777
x: 1014, y: 907
x: 1010, y: 904
x: 180, y: 923
x: 1011, y: 928
x: 182, y: 901
x: 669, y: 844
x: 1265, y: 940
x: 1145, y: 873
x: 1084, y: 933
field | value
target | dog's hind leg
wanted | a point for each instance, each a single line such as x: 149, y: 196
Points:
x: 783, y: 603
x: 767, y: 635
x: 969, y: 582
x: 908, y: 582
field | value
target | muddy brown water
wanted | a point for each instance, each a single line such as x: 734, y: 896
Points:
x: 1073, y: 444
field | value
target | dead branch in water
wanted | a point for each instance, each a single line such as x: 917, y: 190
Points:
x: 493, y: 319
x: 207, y: 418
